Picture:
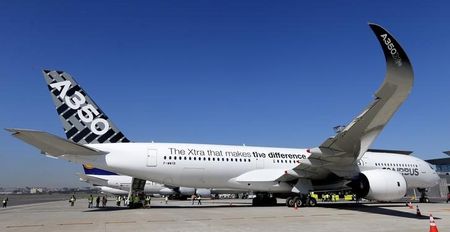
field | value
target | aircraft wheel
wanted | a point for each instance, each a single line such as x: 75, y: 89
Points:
x: 290, y: 202
x: 298, y: 201
x: 312, y: 202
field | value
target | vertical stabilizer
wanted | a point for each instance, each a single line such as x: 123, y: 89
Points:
x: 83, y: 121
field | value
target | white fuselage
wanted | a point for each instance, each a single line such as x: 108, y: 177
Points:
x: 217, y: 166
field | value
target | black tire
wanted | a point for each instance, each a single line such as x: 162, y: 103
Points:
x: 290, y: 202
x: 298, y: 201
x: 312, y: 202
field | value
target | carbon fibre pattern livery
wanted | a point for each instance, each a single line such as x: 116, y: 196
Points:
x: 80, y: 130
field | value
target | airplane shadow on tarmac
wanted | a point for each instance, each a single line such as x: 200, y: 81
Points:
x: 377, y: 209
x: 195, y: 206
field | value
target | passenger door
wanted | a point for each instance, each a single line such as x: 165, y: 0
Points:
x: 152, y: 157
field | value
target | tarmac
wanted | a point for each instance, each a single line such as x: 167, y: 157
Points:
x: 222, y: 215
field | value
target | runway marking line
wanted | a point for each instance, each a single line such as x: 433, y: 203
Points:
x: 75, y: 223
x: 120, y: 222
x: 198, y: 219
x: 162, y: 220
x: 23, y: 226
x: 262, y: 217
x: 320, y: 215
x: 293, y: 216
x: 346, y: 214
x: 237, y: 218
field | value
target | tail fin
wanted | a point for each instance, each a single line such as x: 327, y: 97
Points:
x: 84, y: 122
x: 90, y: 170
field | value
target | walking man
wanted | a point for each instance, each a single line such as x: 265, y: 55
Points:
x: 5, y: 202
x: 90, y: 201
x: 72, y: 200
x: 199, y: 198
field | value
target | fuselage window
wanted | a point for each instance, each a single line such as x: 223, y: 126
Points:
x: 190, y: 158
x: 185, y: 158
x: 227, y: 159
x: 164, y: 157
x: 195, y: 158
x: 223, y: 159
x: 209, y: 159
x: 240, y: 160
x: 170, y: 157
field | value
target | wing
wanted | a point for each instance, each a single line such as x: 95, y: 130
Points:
x: 52, y: 144
x: 354, y: 140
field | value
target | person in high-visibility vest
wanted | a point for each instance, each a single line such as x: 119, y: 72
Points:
x: 90, y: 201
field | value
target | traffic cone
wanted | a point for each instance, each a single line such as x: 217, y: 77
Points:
x: 433, y: 227
x: 295, y: 206
x: 418, y: 211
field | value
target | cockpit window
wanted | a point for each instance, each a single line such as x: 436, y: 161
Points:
x: 431, y: 167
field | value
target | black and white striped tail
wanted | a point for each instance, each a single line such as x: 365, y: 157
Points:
x: 83, y: 121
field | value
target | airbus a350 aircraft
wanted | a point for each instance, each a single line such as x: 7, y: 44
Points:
x: 340, y: 162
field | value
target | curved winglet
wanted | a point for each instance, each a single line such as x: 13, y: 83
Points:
x: 354, y: 140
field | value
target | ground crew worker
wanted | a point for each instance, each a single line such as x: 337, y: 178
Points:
x: 97, y: 201
x: 5, y: 202
x: 72, y: 200
x: 90, y: 201
x: 147, y: 201
x: 118, y: 200
x: 199, y: 198
x: 166, y: 199
x: 104, y: 200
x: 193, y: 198
x: 135, y: 200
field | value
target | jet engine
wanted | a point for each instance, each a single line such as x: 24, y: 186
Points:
x: 380, y: 185
x: 204, y: 192
x: 186, y: 191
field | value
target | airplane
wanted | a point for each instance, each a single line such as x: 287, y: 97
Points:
x: 111, y: 180
x: 341, y: 162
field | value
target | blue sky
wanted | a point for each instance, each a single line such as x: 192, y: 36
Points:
x: 270, y: 73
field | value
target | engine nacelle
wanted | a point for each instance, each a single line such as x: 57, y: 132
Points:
x: 204, y: 192
x: 380, y: 185
x: 186, y: 191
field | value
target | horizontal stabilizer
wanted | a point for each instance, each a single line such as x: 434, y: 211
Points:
x: 51, y: 144
x: 93, y: 179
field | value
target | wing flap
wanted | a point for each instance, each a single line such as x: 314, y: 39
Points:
x: 51, y: 144
x: 267, y: 175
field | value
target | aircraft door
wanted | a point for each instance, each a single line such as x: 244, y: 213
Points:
x: 152, y: 155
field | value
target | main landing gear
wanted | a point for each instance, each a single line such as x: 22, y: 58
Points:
x: 299, y: 201
x: 263, y: 199
x: 423, y: 195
